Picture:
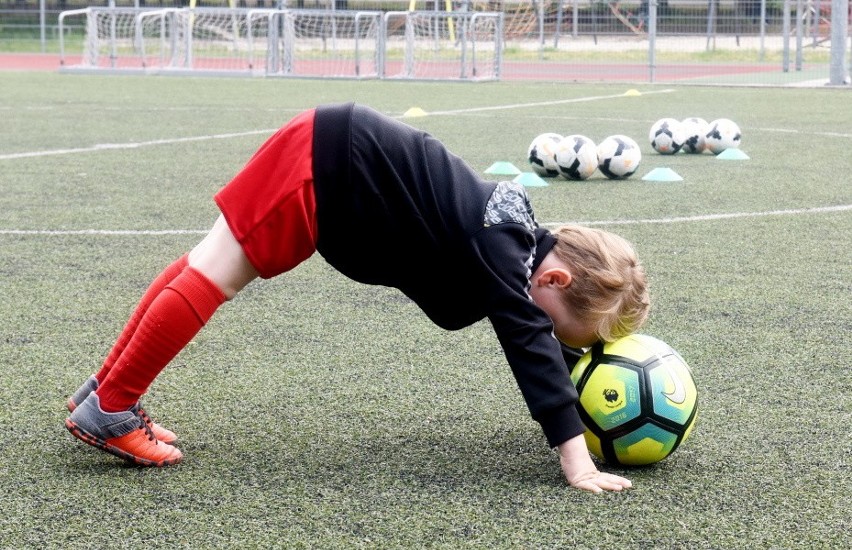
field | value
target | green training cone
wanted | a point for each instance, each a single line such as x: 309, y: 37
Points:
x: 732, y: 153
x: 662, y: 174
x: 530, y: 179
x: 503, y: 168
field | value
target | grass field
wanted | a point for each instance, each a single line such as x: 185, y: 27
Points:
x: 318, y: 413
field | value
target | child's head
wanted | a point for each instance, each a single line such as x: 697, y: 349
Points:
x: 608, y: 289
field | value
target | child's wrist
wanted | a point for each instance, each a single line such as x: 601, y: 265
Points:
x: 572, y: 447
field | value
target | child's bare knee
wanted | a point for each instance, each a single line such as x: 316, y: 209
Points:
x: 220, y: 258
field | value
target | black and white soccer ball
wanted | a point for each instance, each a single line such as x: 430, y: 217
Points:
x: 694, y: 131
x: 667, y: 136
x: 618, y: 156
x: 541, y: 154
x: 576, y: 157
x: 722, y: 134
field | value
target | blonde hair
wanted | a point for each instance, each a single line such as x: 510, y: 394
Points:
x: 609, y: 289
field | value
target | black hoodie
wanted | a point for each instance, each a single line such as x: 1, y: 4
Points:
x: 396, y: 208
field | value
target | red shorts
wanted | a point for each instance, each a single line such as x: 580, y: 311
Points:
x: 270, y: 205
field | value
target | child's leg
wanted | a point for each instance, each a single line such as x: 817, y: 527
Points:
x: 221, y: 259
x: 110, y: 418
x: 272, y: 206
x: 91, y: 384
x: 217, y: 270
x: 164, y: 278
x: 173, y: 319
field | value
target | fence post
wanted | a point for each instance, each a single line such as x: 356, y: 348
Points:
x: 800, y: 29
x: 408, y: 64
x: 498, y: 46
x: 839, y: 32
x: 42, y: 9
x: 711, y: 25
x: 762, y: 30
x: 540, y: 8
x: 652, y: 40
x: 575, y: 18
x: 113, y: 49
x: 558, y: 24
x: 785, y: 32
x: 462, y: 38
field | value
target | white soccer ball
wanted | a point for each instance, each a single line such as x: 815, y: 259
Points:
x: 694, y: 131
x: 618, y: 157
x: 576, y: 157
x: 722, y: 134
x: 541, y: 154
x: 666, y: 136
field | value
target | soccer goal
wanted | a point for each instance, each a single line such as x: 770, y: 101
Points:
x: 213, y: 40
x: 201, y: 40
x: 324, y: 43
x: 442, y: 45
x: 109, y: 41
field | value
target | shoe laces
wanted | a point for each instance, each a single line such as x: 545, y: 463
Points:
x: 146, y: 423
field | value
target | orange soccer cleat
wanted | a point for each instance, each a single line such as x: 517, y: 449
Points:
x: 124, y: 434
x: 91, y: 384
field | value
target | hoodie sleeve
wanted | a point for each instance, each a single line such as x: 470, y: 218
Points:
x: 506, y: 252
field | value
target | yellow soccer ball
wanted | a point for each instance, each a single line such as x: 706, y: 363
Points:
x: 638, y: 400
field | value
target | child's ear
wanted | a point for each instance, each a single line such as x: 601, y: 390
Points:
x: 556, y: 276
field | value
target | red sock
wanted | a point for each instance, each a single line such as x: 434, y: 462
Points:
x: 157, y: 286
x: 174, y: 317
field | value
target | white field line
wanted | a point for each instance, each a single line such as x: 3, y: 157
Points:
x: 799, y: 132
x: 711, y: 217
x: 131, y: 145
x: 135, y: 145
x: 104, y: 232
x: 539, y: 103
x: 682, y: 219
x: 471, y: 110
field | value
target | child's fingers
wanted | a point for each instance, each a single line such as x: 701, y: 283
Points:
x: 623, y: 482
x: 603, y: 482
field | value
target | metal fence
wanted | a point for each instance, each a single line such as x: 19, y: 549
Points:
x: 774, y: 42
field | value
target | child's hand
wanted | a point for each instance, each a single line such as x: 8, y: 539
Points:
x: 581, y: 472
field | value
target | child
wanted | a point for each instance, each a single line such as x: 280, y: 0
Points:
x: 384, y: 204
